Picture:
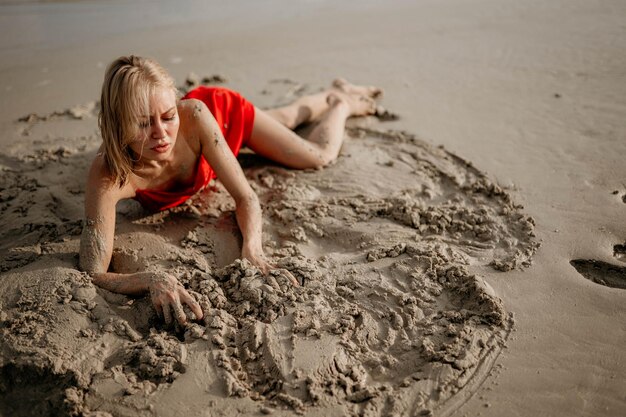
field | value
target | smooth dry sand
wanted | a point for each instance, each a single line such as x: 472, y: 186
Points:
x: 532, y: 93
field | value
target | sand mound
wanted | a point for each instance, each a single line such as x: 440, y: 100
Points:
x: 390, y: 319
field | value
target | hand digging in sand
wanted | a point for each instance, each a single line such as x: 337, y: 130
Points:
x: 161, y: 150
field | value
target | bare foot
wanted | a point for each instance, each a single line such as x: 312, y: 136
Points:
x: 348, y: 88
x: 357, y: 105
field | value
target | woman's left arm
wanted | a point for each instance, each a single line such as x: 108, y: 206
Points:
x: 227, y: 168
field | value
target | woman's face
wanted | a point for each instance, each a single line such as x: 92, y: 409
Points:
x: 158, y: 130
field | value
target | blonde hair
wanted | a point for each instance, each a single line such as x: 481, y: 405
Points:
x: 125, y: 100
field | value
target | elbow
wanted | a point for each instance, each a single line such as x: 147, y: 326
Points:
x: 84, y: 266
x: 87, y: 265
x: 95, y: 273
x: 88, y: 269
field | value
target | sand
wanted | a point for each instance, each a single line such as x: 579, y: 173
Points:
x: 464, y: 259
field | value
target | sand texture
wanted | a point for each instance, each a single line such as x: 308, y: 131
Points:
x: 388, y: 320
x: 427, y: 289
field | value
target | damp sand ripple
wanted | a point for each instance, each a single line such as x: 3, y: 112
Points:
x: 389, y: 319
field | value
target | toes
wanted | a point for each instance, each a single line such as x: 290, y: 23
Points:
x: 360, y: 103
x: 375, y: 92
x: 340, y: 83
x: 343, y: 85
x: 332, y: 99
x: 368, y: 105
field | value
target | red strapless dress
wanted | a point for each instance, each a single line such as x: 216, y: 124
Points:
x: 235, y: 117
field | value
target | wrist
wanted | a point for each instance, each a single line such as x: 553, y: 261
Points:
x: 252, y: 245
x: 252, y: 253
x: 148, y: 279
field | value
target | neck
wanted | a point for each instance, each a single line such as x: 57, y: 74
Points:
x: 140, y: 163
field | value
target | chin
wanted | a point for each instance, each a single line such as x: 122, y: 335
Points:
x: 162, y: 153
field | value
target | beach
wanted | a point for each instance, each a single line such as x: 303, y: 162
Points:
x: 463, y: 258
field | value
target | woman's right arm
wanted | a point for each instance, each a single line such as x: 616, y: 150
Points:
x: 101, y: 197
x: 96, y: 248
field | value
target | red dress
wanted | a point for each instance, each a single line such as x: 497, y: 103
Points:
x: 235, y: 117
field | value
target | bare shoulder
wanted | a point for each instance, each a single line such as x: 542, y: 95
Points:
x: 190, y: 110
x: 101, y: 183
x: 99, y: 173
x: 196, y: 121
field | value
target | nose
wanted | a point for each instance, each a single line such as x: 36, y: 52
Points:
x: 158, y: 129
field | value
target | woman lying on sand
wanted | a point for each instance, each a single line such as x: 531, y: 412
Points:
x: 161, y: 150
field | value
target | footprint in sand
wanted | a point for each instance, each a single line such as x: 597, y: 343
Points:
x: 600, y: 272
x: 604, y: 273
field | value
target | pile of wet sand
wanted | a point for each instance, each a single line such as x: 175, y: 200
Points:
x: 391, y: 317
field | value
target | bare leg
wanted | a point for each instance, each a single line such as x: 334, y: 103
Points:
x: 303, y: 110
x: 271, y: 135
x: 311, y: 108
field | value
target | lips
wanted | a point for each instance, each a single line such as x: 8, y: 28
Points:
x: 161, y: 148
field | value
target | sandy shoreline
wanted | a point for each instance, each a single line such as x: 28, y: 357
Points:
x: 532, y: 94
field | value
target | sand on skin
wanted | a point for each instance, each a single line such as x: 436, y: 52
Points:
x: 479, y: 77
x: 388, y: 319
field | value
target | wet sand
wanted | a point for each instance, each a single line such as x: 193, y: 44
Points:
x: 464, y: 259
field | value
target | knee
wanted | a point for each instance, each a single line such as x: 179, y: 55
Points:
x: 326, y: 160
x: 284, y: 116
x: 318, y: 160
